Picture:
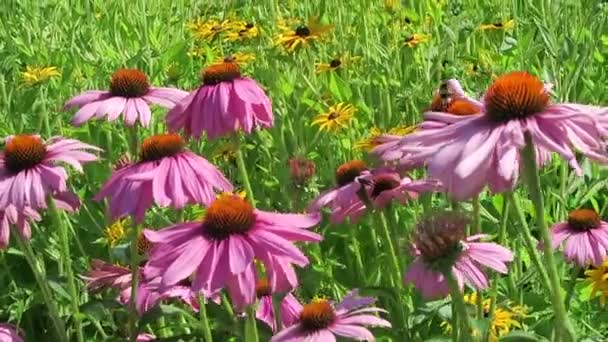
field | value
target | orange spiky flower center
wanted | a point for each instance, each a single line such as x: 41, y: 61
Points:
x: 229, y: 214
x: 516, y: 95
x: 317, y: 315
x: 225, y: 71
x: 23, y: 152
x: 461, y: 107
x: 584, y: 219
x: 263, y: 289
x: 347, y: 172
x: 438, y: 237
x: 129, y: 83
x: 384, y: 182
x: 161, y: 146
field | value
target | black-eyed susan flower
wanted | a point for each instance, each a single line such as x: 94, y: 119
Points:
x: 415, y: 39
x: 336, y: 118
x: 240, y: 58
x: 336, y: 63
x: 35, y: 75
x: 506, y: 25
x: 241, y: 30
x: 115, y: 232
x: 374, y: 138
x: 291, y: 38
x: 208, y: 29
x: 598, y: 278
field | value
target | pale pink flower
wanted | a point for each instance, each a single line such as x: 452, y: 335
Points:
x: 10, y: 333
x: 347, y: 187
x: 290, y: 306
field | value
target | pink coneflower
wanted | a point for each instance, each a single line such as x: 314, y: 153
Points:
x: 29, y: 173
x: 585, y: 236
x: 440, y: 245
x: 9, y: 333
x: 145, y: 338
x: 130, y: 94
x: 290, y: 307
x: 485, y: 149
x: 220, y: 250
x: 167, y: 174
x: 346, y: 188
x: 103, y: 275
x: 18, y: 218
x: 226, y: 102
x: 322, y: 321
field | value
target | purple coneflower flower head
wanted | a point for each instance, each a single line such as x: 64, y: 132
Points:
x: 130, y: 94
x: 290, y: 306
x: 381, y: 187
x: 219, y: 251
x: 440, y: 246
x: 29, y: 170
x: 485, y: 149
x: 322, y: 321
x: 225, y: 103
x: 103, y: 275
x: 167, y: 174
x: 584, y: 235
x: 10, y: 333
x: 347, y: 186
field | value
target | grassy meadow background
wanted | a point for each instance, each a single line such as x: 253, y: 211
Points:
x: 387, y: 80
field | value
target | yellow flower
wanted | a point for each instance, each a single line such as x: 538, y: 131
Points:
x: 498, y: 26
x: 207, y: 30
x: 302, y: 35
x: 241, y: 30
x: 35, y: 75
x: 373, y: 140
x: 391, y: 5
x: 115, y: 232
x: 336, y: 63
x: 598, y: 278
x: 240, y: 58
x: 336, y: 118
x: 472, y: 68
x: 415, y: 39
x: 226, y: 151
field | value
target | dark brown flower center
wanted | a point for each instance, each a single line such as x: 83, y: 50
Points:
x: 221, y: 72
x: 317, y: 315
x: 347, y: 172
x: 23, y: 152
x: 336, y: 62
x: 302, y: 31
x: 249, y: 26
x: 384, y: 182
x: 129, y: 83
x: 439, y: 235
x: 498, y: 25
x: 516, y: 95
x: 161, y: 146
x: 262, y: 289
x: 229, y: 214
x: 584, y: 219
x: 143, y: 245
x: 461, y: 107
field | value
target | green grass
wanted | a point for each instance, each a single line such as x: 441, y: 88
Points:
x: 563, y: 42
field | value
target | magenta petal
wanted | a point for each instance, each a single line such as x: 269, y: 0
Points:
x: 240, y: 254
x: 352, y: 331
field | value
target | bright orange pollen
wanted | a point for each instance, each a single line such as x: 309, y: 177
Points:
x: 516, y: 95
x: 584, y: 219
x: 23, y: 152
x: 317, y: 315
x: 462, y: 107
x: 229, y: 214
x: 129, y: 83
x: 221, y: 72
x: 160, y: 146
x: 263, y: 289
x: 347, y: 172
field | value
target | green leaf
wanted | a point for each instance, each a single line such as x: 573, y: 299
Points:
x: 522, y: 336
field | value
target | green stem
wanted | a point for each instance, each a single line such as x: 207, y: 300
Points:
x: 529, y: 240
x: 134, y: 256
x: 66, y: 259
x: 562, y: 322
x: 276, y: 305
x: 47, y: 296
x: 204, y: 319
x: 459, y: 304
x: 476, y: 229
x: 251, y: 326
x: 391, y: 249
x: 228, y: 307
x: 502, y: 234
x: 571, y: 285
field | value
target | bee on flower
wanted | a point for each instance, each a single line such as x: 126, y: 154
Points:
x: 500, y: 25
x: 241, y: 30
x: 337, y: 117
x: 291, y: 38
x: 416, y: 39
x: 336, y: 63
x: 34, y: 75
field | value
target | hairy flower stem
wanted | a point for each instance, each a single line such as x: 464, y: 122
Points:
x: 460, y: 305
x: 47, y: 296
x: 202, y: 311
x: 66, y: 259
x: 476, y: 229
x: 565, y: 331
x: 134, y: 256
x: 386, y: 232
x: 251, y: 328
x: 571, y: 285
x: 276, y: 305
x: 502, y: 234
